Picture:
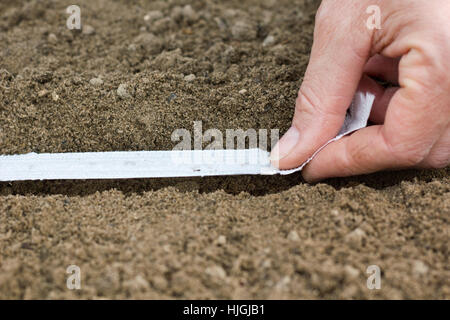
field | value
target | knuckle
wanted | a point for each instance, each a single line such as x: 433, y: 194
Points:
x: 423, y: 67
x: 314, y: 100
x: 411, y: 158
x: 308, y: 101
x: 440, y: 161
x: 356, y: 156
x: 405, y: 154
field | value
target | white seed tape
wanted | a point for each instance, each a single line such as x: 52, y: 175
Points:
x: 162, y: 164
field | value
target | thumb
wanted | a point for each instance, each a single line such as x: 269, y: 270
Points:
x: 340, y: 51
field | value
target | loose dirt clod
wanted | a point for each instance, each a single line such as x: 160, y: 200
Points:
x: 55, y: 96
x: 96, y: 82
x: 351, y: 272
x: 268, y: 41
x: 122, y: 91
x: 420, y: 268
x: 293, y: 236
x: 216, y: 272
x: 189, y: 14
x: 149, y: 42
x: 221, y: 240
x: 52, y: 38
x: 189, y: 78
x: 356, y: 237
x: 160, y: 283
x: 43, y: 93
x: 88, y: 30
x: 153, y: 16
x: 243, y: 30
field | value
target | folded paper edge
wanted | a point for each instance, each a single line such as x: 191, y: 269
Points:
x: 357, y: 119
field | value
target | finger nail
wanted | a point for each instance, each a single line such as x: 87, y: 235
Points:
x: 285, y: 145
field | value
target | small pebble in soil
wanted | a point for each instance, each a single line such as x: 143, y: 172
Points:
x: 55, y: 96
x: 283, y: 283
x: 159, y: 282
x: 221, y: 240
x: 139, y: 283
x: 122, y: 91
x: 153, y: 16
x: 334, y: 212
x: 268, y: 41
x: 151, y: 43
x: 189, y: 14
x: 230, y: 13
x: 96, y: 82
x: 266, y: 264
x: 189, y: 78
x: 216, y: 272
x: 42, y: 93
x: 243, y: 91
x: 171, y: 97
x: 351, y: 272
x: 293, y: 236
x: 243, y: 30
x: 220, y: 23
x: 355, y: 238
x: 52, y: 38
x: 88, y: 30
x: 420, y: 268
x: 163, y: 25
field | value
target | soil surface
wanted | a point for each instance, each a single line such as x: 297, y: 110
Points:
x: 233, y: 64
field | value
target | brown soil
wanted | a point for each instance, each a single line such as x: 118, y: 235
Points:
x: 235, y: 237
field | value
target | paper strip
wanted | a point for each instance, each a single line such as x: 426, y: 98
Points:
x: 136, y: 164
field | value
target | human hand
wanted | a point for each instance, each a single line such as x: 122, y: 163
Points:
x: 412, y: 120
